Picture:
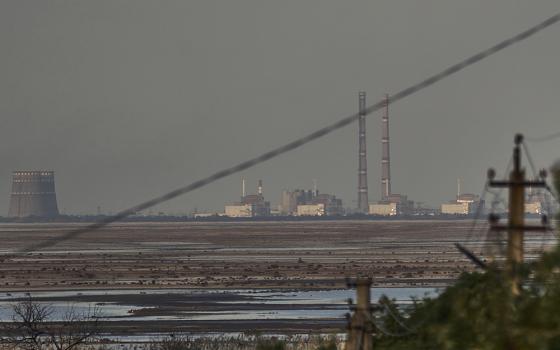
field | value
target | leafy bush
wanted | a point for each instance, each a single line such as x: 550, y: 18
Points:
x: 271, y: 344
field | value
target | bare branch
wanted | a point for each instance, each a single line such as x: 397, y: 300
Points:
x: 32, y: 327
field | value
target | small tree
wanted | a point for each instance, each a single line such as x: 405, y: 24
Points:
x: 33, y: 329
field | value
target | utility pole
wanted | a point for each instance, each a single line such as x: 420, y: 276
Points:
x: 516, y: 223
x: 360, y: 328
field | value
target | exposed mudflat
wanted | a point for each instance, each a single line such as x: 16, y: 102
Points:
x: 138, y: 270
x: 235, y: 255
x: 201, y: 311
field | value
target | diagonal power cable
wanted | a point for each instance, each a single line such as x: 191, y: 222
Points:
x: 299, y: 142
x: 549, y: 137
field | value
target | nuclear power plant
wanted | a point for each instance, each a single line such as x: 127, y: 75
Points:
x: 33, y: 194
x: 311, y: 203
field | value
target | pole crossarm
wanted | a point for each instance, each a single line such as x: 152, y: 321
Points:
x: 507, y: 184
x: 515, y: 227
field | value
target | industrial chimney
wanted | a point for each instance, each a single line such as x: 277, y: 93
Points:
x: 363, y: 203
x: 33, y: 194
x: 385, y: 156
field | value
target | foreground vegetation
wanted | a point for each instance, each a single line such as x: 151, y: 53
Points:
x: 248, y: 343
x: 480, y: 312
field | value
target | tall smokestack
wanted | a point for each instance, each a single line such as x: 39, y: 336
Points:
x: 242, y: 188
x: 385, y: 156
x: 315, y: 189
x: 363, y: 203
x: 33, y: 194
x: 260, y: 188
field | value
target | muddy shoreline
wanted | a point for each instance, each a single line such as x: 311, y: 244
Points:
x: 279, y: 256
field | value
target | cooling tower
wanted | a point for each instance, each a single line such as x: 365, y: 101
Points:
x: 33, y: 194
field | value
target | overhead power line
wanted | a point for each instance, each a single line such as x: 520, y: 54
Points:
x: 299, y: 142
x: 549, y: 137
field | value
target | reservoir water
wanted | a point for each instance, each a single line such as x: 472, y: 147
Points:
x: 204, y: 305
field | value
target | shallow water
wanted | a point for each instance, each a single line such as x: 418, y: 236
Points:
x: 268, y: 304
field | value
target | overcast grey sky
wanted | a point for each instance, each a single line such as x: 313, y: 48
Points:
x: 129, y: 99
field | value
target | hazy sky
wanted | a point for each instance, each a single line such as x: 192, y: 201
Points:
x: 125, y: 100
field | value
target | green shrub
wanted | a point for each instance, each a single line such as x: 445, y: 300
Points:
x: 271, y: 344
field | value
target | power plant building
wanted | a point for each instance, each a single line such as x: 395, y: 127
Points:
x: 310, y: 203
x: 534, y: 208
x: 332, y: 205
x: 384, y: 209
x: 393, y: 204
x: 539, y: 203
x: 291, y: 199
x: 252, y: 205
x: 464, y: 204
x: 455, y: 208
x: 311, y: 210
x: 33, y: 195
x: 239, y: 210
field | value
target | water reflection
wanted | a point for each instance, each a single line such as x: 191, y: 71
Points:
x: 209, y: 305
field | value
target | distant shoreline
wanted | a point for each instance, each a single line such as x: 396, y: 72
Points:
x: 216, y: 218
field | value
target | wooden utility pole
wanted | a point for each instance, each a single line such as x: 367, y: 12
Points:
x: 516, y: 224
x: 360, y: 335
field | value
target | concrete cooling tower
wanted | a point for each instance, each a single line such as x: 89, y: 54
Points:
x: 33, y: 194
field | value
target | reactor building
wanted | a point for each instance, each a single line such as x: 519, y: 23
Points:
x: 33, y: 194
x: 310, y: 203
x: 464, y: 203
x: 251, y: 205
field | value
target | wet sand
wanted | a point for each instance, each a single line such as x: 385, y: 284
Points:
x: 235, y: 255
x: 205, y: 311
x: 299, y: 256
